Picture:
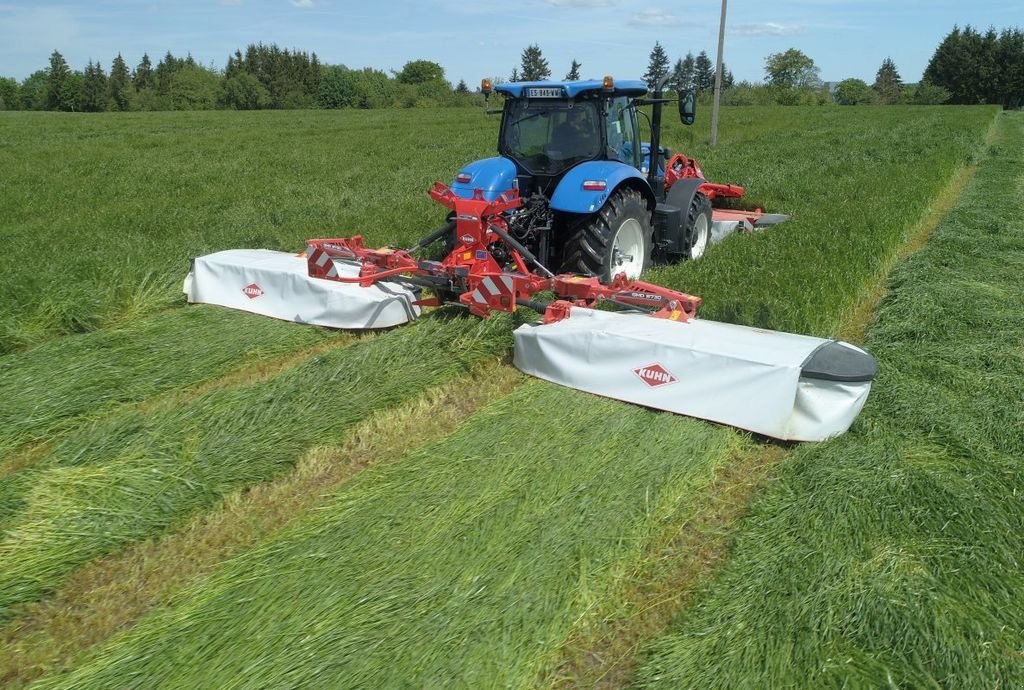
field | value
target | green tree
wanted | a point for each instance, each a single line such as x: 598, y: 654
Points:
x: 574, y: 71
x: 337, y: 88
x: 462, y: 89
x: 514, y: 77
x: 120, y: 83
x: 853, y: 92
x: 420, y: 72
x: 657, y: 66
x: 195, y: 88
x: 979, y: 68
x: 33, y: 90
x: 94, y: 89
x: 682, y: 73
x: 243, y: 91
x: 534, y: 66
x: 71, y: 92
x: 727, y: 79
x: 58, y: 74
x: 888, y: 85
x: 791, y: 69
x: 142, y: 79
x: 10, y: 96
x: 703, y: 72
x: 929, y: 94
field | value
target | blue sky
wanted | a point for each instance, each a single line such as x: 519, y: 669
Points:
x: 475, y: 38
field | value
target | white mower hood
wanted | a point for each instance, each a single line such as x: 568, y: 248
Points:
x: 277, y: 284
x: 786, y: 386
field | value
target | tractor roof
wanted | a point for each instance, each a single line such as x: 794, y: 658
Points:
x: 625, y: 87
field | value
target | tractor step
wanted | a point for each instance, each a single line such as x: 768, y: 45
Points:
x: 277, y: 284
x: 785, y: 386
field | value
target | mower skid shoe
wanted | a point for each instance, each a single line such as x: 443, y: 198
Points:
x: 785, y: 386
x: 277, y: 284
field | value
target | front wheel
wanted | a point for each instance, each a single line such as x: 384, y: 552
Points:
x: 616, y: 239
x: 698, y: 227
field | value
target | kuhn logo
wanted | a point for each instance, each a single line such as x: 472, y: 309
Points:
x: 655, y: 375
x: 467, y: 239
x: 252, y: 291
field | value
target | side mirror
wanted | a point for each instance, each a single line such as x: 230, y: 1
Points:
x: 687, y: 107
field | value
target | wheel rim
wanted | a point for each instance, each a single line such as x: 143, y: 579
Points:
x: 700, y: 239
x: 628, y: 250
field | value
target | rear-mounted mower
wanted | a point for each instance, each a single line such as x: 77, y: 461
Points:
x: 510, y: 217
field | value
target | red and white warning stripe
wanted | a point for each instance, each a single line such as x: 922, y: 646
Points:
x: 321, y: 265
x: 493, y: 287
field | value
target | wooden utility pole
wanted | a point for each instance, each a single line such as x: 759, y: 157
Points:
x: 718, y: 78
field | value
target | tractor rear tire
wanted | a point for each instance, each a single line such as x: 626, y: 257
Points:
x: 618, y: 238
x: 698, y: 227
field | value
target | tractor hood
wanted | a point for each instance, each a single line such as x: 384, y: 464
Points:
x: 492, y: 176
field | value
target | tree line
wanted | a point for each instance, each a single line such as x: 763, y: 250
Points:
x: 263, y: 77
x: 968, y: 67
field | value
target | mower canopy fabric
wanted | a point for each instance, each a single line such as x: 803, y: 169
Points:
x: 278, y: 284
x: 790, y: 387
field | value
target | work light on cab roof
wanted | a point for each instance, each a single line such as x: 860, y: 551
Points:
x: 575, y: 205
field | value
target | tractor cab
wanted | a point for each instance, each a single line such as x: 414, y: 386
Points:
x: 548, y: 127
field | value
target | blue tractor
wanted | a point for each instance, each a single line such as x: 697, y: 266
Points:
x: 593, y: 203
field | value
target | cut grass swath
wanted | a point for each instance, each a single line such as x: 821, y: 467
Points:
x: 137, y: 472
x: 892, y: 556
x: 108, y: 595
x: 48, y: 389
x: 466, y: 563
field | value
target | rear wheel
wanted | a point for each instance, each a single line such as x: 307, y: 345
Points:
x: 698, y: 227
x: 616, y: 239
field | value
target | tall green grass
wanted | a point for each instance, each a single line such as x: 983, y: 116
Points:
x: 158, y: 188
x: 465, y: 564
x: 136, y: 472
x: 50, y: 388
x: 100, y: 213
x: 855, y: 180
x: 891, y: 557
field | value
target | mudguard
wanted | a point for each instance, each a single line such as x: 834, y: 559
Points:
x: 572, y: 198
x: 491, y: 175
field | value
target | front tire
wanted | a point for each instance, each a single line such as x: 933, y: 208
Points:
x: 698, y: 227
x: 616, y: 239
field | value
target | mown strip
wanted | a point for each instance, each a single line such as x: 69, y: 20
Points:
x: 892, y: 556
x: 49, y: 389
x: 137, y: 472
x: 465, y: 563
x: 112, y: 593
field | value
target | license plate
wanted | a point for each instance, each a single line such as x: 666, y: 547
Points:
x: 543, y: 93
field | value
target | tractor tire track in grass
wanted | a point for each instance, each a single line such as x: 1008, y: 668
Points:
x: 136, y: 473
x: 109, y: 595
x: 477, y: 555
x: 891, y: 556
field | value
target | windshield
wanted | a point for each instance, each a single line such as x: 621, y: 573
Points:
x: 549, y: 136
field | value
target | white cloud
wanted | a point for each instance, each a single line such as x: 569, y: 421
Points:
x: 304, y: 4
x: 653, y: 17
x: 766, y: 29
x: 581, y: 3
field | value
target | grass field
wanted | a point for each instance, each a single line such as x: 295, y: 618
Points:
x: 506, y: 553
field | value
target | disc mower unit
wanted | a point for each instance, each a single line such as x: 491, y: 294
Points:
x: 604, y: 331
